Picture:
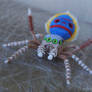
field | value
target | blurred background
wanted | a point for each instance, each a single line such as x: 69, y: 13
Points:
x: 28, y: 73
x: 81, y: 8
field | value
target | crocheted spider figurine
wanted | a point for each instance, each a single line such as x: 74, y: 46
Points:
x: 61, y: 28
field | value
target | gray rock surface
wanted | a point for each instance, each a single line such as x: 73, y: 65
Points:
x: 28, y: 73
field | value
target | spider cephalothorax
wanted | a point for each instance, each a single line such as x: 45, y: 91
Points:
x: 60, y: 28
x: 53, y: 43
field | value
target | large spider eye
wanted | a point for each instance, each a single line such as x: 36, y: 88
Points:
x: 70, y: 25
x: 54, y: 41
x: 57, y: 20
x: 48, y: 39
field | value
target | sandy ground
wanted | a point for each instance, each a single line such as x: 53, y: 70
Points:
x: 28, y: 73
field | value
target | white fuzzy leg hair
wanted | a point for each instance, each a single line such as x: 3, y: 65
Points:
x: 80, y: 62
x: 17, y: 53
x: 19, y: 43
x: 68, y: 71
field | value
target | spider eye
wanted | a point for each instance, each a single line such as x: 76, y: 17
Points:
x: 54, y: 41
x: 70, y: 25
x: 48, y: 39
x: 60, y: 42
x: 57, y: 20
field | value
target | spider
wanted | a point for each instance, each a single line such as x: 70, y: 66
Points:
x: 60, y: 28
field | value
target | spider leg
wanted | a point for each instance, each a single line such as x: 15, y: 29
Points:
x: 35, y: 36
x: 17, y: 53
x: 31, y: 23
x: 68, y: 69
x: 13, y: 44
x: 24, y: 42
x: 86, y: 44
x: 80, y: 62
x: 71, y: 46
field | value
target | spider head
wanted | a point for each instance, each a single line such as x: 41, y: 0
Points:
x: 54, y: 39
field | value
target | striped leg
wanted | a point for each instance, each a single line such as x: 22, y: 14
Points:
x: 19, y: 43
x: 17, y: 53
x: 68, y: 71
x: 41, y: 51
x: 80, y: 62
